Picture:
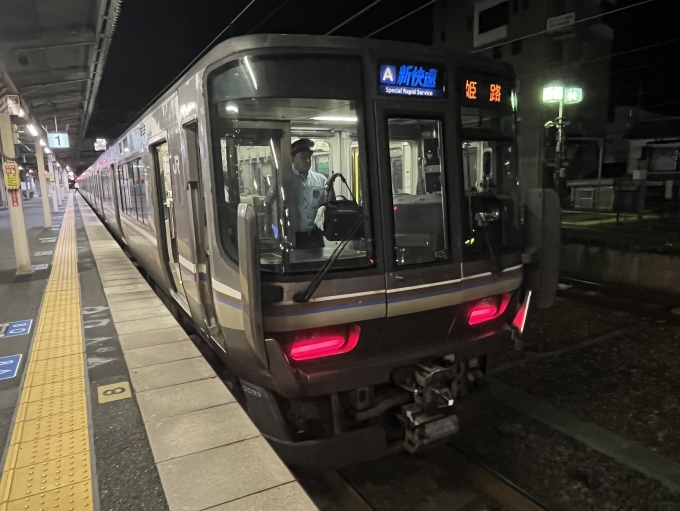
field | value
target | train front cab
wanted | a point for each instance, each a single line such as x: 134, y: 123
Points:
x: 368, y: 316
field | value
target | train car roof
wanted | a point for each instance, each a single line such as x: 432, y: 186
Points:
x: 241, y: 44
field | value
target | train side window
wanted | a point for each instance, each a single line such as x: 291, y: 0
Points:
x: 418, y: 197
x: 140, y: 190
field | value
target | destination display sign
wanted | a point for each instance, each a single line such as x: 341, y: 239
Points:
x: 412, y: 79
x: 483, y: 91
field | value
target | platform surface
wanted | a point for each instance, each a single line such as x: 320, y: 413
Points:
x: 107, y: 403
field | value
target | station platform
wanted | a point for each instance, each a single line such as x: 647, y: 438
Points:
x: 105, y: 402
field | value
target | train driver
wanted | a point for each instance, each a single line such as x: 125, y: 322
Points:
x: 308, y: 194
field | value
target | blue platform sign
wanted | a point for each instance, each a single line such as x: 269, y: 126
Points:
x: 411, y: 80
x: 16, y: 328
x: 9, y: 366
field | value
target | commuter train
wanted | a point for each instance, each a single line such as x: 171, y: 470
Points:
x: 426, y: 260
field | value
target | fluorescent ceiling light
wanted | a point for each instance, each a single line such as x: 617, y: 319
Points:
x: 21, y: 112
x: 32, y: 129
x: 42, y: 142
x: 48, y: 150
x: 337, y: 118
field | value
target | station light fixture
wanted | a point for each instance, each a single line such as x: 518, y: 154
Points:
x: 42, y: 142
x: 31, y: 128
x: 48, y: 150
x: 553, y: 94
x: 573, y: 95
x: 558, y: 93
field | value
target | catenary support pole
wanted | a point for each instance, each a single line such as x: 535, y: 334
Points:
x: 16, y: 210
x: 43, y: 185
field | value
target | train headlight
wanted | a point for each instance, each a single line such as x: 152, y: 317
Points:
x: 324, y: 342
x: 488, y: 309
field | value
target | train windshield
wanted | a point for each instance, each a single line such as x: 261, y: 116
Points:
x: 288, y: 140
x: 490, y: 173
x: 489, y: 159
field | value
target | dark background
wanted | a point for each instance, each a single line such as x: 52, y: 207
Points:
x: 646, y: 77
x: 154, y: 42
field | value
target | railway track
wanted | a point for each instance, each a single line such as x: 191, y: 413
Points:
x: 473, y: 486
x: 638, y: 302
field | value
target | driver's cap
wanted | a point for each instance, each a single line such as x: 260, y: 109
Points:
x: 304, y: 144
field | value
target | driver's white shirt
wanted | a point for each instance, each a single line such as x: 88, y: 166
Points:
x: 312, y: 195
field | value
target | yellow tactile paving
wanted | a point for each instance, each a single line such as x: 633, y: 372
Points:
x: 52, y: 448
x: 52, y: 425
x: 77, y: 496
x: 48, y: 464
x: 54, y: 370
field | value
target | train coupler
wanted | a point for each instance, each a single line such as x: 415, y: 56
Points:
x: 429, y: 417
x: 422, y: 429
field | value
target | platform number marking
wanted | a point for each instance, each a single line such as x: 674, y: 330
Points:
x: 113, y: 392
x: 37, y: 267
x: 44, y: 253
x: 9, y: 366
x: 16, y: 328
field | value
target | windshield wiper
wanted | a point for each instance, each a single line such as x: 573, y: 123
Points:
x: 304, y: 296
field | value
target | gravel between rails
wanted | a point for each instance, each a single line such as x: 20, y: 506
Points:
x: 558, y: 470
x: 629, y: 385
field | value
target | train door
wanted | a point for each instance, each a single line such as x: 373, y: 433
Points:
x: 199, y: 226
x: 166, y: 208
x: 100, y: 194
x: 423, y: 271
x: 115, y: 197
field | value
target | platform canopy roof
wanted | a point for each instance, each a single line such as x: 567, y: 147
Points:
x: 52, y: 54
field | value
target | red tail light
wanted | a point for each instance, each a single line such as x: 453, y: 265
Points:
x: 324, y: 342
x: 488, y: 309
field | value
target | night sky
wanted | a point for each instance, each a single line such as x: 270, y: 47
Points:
x: 654, y: 71
x: 152, y: 44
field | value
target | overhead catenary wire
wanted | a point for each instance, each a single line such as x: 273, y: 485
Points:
x: 605, y: 57
x: 402, y: 18
x: 575, y: 23
x: 268, y: 16
x: 352, y: 18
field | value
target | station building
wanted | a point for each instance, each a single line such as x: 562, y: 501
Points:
x: 547, y: 42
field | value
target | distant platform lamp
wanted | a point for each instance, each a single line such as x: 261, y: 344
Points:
x: 563, y: 96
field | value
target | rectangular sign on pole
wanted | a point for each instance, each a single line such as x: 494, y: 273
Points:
x: 560, y: 22
x: 11, y: 171
x: 58, y: 140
